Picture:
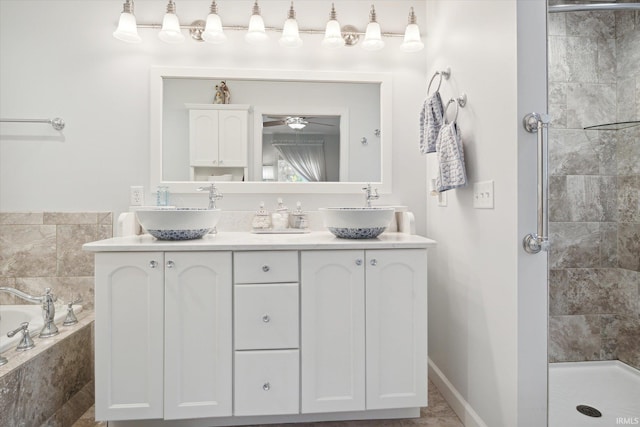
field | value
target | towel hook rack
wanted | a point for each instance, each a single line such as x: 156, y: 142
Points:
x: 446, y: 73
x: 460, y: 102
x: 57, y: 123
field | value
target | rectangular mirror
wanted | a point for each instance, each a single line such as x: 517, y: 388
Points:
x: 301, y: 132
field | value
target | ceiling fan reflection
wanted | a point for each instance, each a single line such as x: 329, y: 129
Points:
x: 294, y: 122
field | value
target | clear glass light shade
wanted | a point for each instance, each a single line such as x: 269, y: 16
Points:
x: 412, y: 41
x: 213, y: 32
x: 256, y: 33
x: 171, y: 32
x: 127, y: 30
x: 373, y: 37
x: 332, y: 35
x: 290, y: 34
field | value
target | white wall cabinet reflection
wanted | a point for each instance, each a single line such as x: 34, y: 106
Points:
x: 218, y: 140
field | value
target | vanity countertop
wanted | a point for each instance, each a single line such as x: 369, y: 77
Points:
x: 249, y: 241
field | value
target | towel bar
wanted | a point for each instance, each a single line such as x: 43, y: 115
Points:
x: 57, y: 123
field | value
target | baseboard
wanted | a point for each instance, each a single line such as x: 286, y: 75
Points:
x: 460, y: 406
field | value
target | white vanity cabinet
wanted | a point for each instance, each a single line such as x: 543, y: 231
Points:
x: 242, y: 329
x: 197, y: 335
x: 363, y: 302
x: 163, y: 335
x: 129, y: 335
x: 266, y: 333
x: 218, y: 135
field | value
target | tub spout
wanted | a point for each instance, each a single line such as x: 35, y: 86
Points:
x: 48, y: 308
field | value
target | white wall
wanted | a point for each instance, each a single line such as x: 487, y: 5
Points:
x: 58, y: 58
x: 487, y: 304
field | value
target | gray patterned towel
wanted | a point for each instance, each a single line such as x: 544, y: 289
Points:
x: 430, y: 122
x: 452, y: 172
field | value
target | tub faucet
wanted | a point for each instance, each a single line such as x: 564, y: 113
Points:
x: 214, y: 195
x: 48, y: 308
x: 370, y: 194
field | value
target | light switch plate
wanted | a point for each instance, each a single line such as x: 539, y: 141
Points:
x: 483, y: 195
x: 442, y: 199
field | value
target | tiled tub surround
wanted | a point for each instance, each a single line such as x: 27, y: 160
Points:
x: 51, y: 384
x: 594, y: 183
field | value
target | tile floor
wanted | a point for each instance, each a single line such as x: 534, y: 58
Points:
x: 437, y: 414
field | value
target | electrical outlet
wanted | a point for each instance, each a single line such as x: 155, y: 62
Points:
x: 483, y: 195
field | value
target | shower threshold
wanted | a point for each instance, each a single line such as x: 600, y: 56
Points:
x: 610, y: 387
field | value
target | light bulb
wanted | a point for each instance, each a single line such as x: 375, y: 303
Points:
x: 213, y: 32
x: 332, y: 34
x: 256, y: 33
x: 290, y: 34
x: 127, y: 30
x: 412, y: 40
x: 373, y: 37
x: 171, y: 32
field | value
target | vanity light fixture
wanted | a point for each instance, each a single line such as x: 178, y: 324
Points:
x: 213, y: 32
x: 127, y: 30
x: 412, y: 41
x: 171, y: 32
x: 290, y: 34
x: 373, y: 37
x: 256, y: 33
x: 332, y: 33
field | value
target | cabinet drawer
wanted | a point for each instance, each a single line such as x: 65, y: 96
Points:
x: 266, y: 316
x: 265, y: 266
x: 266, y: 382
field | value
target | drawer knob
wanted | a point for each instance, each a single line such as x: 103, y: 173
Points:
x: 170, y: 264
x: 374, y: 262
x: 358, y: 261
x: 266, y: 318
x: 266, y: 386
x: 153, y: 264
x: 265, y: 268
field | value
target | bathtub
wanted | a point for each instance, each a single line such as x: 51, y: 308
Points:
x: 11, y: 316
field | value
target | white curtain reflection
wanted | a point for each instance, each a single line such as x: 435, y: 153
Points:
x: 307, y: 158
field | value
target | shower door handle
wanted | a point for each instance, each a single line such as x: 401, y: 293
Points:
x: 536, y: 242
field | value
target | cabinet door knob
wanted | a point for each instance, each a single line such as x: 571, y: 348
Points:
x: 153, y: 264
x: 170, y: 264
x: 266, y: 318
x: 265, y: 268
x: 221, y: 161
x: 215, y: 162
x: 266, y: 386
x: 373, y: 262
x: 358, y: 261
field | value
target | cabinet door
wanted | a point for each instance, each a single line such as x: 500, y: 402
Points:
x: 198, y: 349
x: 203, y: 137
x: 232, y: 135
x: 129, y: 295
x: 332, y: 339
x: 396, y: 328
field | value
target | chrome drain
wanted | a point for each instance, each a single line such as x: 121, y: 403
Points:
x: 589, y: 411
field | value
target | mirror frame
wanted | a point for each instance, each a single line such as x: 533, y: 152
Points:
x: 157, y: 74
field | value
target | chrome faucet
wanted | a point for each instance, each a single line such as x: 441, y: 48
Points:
x: 48, y: 308
x: 214, y: 195
x: 370, y: 194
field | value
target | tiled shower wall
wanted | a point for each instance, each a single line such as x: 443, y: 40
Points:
x: 44, y: 249
x: 594, y: 183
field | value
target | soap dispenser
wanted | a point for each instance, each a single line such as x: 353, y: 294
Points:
x: 261, y: 220
x: 298, y: 219
x: 280, y: 218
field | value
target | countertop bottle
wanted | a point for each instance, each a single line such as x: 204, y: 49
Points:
x: 298, y: 219
x: 261, y: 220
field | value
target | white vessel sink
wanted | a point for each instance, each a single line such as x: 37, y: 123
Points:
x: 178, y: 223
x: 357, y: 223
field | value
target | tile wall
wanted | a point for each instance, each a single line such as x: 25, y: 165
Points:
x: 44, y: 249
x: 594, y: 183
